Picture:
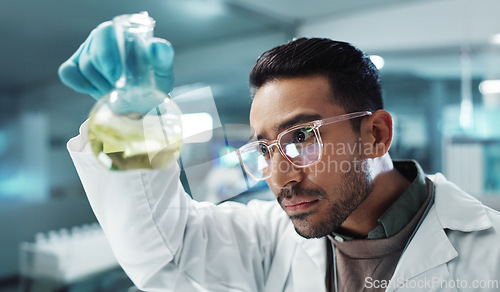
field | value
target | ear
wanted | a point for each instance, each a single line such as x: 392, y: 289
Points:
x: 376, y: 134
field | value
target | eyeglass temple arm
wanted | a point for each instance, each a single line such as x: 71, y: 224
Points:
x: 344, y: 117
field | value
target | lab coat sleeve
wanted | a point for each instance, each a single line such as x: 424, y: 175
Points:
x: 165, y: 241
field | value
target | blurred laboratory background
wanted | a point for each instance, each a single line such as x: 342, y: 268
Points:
x: 439, y: 62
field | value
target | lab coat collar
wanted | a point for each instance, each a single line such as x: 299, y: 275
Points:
x: 309, y: 258
x: 304, y: 258
x: 457, y: 210
x: 315, y: 248
x: 430, y: 247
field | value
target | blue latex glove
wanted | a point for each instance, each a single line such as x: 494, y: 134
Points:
x: 95, y: 66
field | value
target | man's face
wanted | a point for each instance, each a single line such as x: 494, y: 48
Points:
x: 317, y: 198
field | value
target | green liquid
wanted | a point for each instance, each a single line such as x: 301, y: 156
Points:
x: 124, y: 143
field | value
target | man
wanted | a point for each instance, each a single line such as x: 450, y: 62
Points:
x: 353, y: 220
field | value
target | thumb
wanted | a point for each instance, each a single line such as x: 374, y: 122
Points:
x: 161, y: 53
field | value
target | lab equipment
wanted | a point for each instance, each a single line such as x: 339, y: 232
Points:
x: 136, y: 125
x: 473, y: 163
x: 66, y: 256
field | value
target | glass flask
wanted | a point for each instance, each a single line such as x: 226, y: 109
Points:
x: 135, y: 126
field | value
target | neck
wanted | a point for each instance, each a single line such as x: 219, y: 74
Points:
x: 388, y: 185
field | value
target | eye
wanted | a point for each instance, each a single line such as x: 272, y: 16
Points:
x: 302, y: 135
x: 262, y: 149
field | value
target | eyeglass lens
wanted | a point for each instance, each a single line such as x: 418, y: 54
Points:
x: 300, y: 145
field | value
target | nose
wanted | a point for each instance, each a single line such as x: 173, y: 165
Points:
x: 283, y: 173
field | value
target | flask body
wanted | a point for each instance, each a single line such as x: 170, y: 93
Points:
x: 135, y: 140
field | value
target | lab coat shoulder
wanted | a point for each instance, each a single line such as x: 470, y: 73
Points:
x: 457, y: 240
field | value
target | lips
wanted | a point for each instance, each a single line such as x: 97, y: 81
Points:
x: 296, y: 205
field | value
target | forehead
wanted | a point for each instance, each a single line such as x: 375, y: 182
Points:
x: 279, y: 101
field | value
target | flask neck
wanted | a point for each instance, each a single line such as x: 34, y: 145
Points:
x: 133, y: 34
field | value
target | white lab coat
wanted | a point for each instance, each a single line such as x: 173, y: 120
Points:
x: 167, y: 242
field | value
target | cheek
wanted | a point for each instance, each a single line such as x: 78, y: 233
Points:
x: 320, y: 176
x: 328, y: 169
x: 342, y: 151
x: 341, y: 144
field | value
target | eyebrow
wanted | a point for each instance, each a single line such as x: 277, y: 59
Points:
x: 298, y: 119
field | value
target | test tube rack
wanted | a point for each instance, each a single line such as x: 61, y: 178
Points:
x: 67, y: 255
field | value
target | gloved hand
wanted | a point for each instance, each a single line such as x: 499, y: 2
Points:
x: 95, y: 66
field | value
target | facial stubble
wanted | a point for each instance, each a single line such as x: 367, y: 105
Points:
x: 355, y: 186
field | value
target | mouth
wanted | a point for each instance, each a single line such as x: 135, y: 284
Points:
x: 298, y: 205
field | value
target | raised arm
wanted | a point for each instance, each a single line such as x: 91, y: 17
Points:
x: 163, y: 239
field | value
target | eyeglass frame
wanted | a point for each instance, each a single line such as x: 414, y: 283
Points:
x: 316, y: 124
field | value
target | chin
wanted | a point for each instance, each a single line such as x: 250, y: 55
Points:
x: 306, y: 229
x: 307, y: 233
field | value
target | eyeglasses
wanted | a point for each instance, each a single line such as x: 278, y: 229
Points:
x: 301, y: 145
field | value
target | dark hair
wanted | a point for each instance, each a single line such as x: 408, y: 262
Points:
x: 354, y: 80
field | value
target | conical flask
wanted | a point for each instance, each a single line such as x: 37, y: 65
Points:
x: 135, y: 126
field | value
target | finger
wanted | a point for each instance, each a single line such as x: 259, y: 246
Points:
x: 90, y: 69
x: 70, y: 75
x: 92, y: 75
x: 104, y: 52
x: 162, y: 60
